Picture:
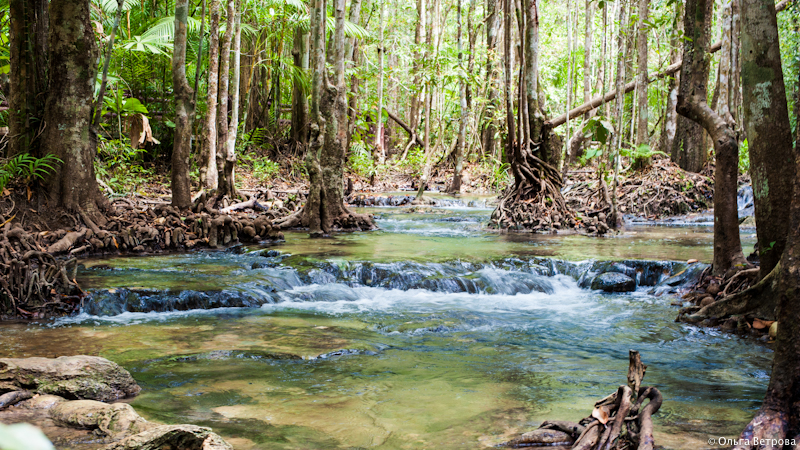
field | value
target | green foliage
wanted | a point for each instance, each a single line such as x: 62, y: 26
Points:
x: 641, y: 152
x: 360, y: 160
x: 261, y: 167
x: 499, y: 174
x: 120, y: 165
x: 414, y: 163
x: 744, y: 157
x: 26, y: 168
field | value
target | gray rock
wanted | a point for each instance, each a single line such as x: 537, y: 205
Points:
x: 116, y: 420
x: 614, y: 282
x: 72, y: 377
x: 184, y: 437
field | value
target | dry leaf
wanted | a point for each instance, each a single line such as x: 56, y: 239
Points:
x: 759, y: 324
x: 601, y: 414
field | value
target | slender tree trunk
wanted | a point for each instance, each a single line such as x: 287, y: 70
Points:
x: 351, y: 58
x: 692, y: 104
x: 432, y: 31
x: 455, y: 187
x: 68, y: 111
x: 208, y: 164
x: 769, y: 132
x: 671, y: 119
x: 104, y: 79
x: 299, y: 96
x: 492, y: 50
x: 380, y: 150
x: 619, y: 106
x: 233, y: 129
x: 184, y: 112
x: 642, y: 135
x: 222, y: 112
x: 28, y: 47
x: 419, y: 37
x: 508, y: 60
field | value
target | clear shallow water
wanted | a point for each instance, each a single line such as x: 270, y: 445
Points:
x: 428, y: 334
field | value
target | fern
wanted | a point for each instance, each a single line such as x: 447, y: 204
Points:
x: 26, y: 167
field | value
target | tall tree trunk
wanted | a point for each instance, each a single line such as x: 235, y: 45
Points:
x: 768, y: 129
x: 28, y: 33
x: 431, y: 32
x: 67, y: 117
x: 688, y: 149
x: 492, y: 98
x: 299, y: 96
x: 379, y: 149
x: 233, y: 129
x: 325, y: 210
x: 619, y: 106
x: 508, y: 62
x: 106, y: 63
x: 184, y: 112
x: 692, y: 105
x: 642, y: 136
x: 455, y: 186
x: 671, y: 119
x: 419, y: 37
x: 208, y: 159
x: 351, y: 58
x: 222, y: 112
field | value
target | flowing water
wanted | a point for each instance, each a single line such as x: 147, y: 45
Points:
x: 430, y: 333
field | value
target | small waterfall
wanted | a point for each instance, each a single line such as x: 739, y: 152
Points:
x: 744, y: 201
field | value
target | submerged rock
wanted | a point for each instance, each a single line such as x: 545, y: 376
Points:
x: 614, y: 282
x: 73, y: 377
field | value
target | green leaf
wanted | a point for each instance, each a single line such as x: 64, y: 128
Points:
x: 133, y: 106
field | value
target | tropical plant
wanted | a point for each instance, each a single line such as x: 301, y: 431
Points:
x: 26, y: 168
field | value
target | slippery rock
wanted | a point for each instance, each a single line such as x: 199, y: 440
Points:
x: 184, y: 437
x: 114, y: 420
x: 72, y: 377
x: 614, y: 282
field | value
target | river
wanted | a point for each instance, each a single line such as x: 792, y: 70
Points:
x: 430, y: 333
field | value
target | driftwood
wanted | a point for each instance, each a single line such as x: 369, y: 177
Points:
x: 617, y: 422
x: 405, y: 126
x: 252, y: 204
x: 14, y: 397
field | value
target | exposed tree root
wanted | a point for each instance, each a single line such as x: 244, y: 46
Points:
x: 732, y: 301
x: 535, y: 202
x: 615, y: 423
x: 348, y: 221
x: 766, y: 431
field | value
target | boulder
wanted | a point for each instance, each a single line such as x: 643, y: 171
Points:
x: 541, y: 437
x: 71, y: 377
x: 614, y: 282
x: 116, y: 420
x: 184, y: 437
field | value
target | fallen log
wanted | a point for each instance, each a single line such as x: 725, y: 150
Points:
x: 252, y: 204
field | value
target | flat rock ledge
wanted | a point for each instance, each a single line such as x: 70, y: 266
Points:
x: 76, y: 419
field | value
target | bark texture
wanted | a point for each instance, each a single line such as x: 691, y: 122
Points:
x: 68, y: 133
x: 767, y: 126
x: 300, y: 95
x: 492, y: 96
x: 692, y: 105
x: 233, y: 129
x: 642, y: 136
x: 224, y: 90
x: 28, y: 34
x: 184, y: 111
x: 208, y: 164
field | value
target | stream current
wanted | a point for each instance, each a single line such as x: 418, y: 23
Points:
x: 430, y: 333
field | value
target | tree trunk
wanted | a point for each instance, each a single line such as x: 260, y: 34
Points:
x: 642, y: 135
x: 233, y: 129
x: 184, y: 112
x: 325, y: 210
x: 692, y: 105
x: 28, y: 33
x: 431, y: 32
x: 222, y: 113
x: 671, y: 119
x: 688, y: 149
x: 299, y: 96
x: 619, y: 105
x: 379, y: 149
x: 768, y: 129
x: 208, y: 160
x: 492, y: 99
x: 455, y: 187
x: 68, y: 132
x: 351, y: 58
x: 419, y: 36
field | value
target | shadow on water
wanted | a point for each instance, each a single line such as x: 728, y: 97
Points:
x: 431, y: 333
